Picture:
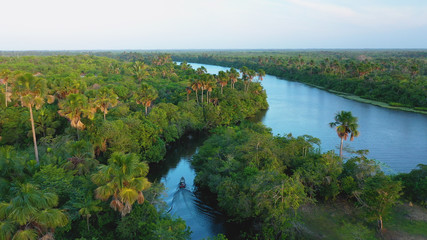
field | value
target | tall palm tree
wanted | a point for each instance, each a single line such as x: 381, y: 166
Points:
x: 188, y: 90
x: 345, y: 124
x: 233, y: 74
x: 244, y: 70
x: 145, y: 96
x: 106, y: 98
x: 261, y: 74
x: 5, y: 78
x: 251, y: 74
x: 210, y: 85
x: 123, y: 180
x: 196, y: 85
x: 30, y: 214
x: 222, y: 79
x: 203, y: 82
x: 31, y: 91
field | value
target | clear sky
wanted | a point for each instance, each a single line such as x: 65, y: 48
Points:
x: 211, y: 24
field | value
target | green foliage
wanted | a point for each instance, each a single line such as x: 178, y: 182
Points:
x: 14, y: 126
x: 218, y: 237
x: 123, y: 179
x: 378, y: 195
x: 243, y: 166
x: 320, y: 175
x: 33, y: 209
x: 144, y: 222
x: 415, y: 184
x: 55, y: 180
x: 381, y: 75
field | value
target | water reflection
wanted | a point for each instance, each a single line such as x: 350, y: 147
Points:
x: 203, y: 219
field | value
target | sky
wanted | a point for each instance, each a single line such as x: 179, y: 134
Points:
x: 211, y: 24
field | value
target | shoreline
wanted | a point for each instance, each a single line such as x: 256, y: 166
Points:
x: 340, y: 94
x: 364, y: 100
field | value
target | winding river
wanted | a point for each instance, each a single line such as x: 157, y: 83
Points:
x: 396, y: 139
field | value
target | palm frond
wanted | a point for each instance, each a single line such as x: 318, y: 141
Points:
x: 7, y: 228
x: 104, y: 192
x: 51, y: 218
x: 128, y: 195
x: 26, y: 234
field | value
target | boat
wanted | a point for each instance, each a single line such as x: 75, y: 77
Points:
x: 182, y: 183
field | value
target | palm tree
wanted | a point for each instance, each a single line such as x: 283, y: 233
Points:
x: 245, y: 76
x: 31, y: 91
x: 233, y: 74
x: 145, y: 96
x: 345, y: 123
x: 210, y: 84
x: 251, y: 74
x: 74, y: 107
x: 87, y: 207
x: 5, y: 77
x: 196, y: 85
x: 65, y: 86
x: 203, y: 82
x: 123, y: 179
x: 30, y: 214
x: 139, y: 70
x: 201, y: 70
x: 244, y: 70
x: 261, y: 74
x: 105, y: 98
x: 222, y: 79
x: 82, y: 157
x: 189, y: 90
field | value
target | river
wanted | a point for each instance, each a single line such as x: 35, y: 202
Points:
x: 396, y: 139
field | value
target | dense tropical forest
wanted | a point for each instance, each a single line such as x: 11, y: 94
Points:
x: 79, y: 132
x: 397, y: 78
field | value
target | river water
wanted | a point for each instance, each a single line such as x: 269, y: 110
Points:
x: 396, y: 139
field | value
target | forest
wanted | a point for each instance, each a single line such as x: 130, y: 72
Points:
x: 396, y: 78
x: 78, y: 133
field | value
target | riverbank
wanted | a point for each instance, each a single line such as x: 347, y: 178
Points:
x: 364, y: 100
x: 383, y: 86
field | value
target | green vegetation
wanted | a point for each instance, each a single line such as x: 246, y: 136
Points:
x: 77, y: 169
x: 96, y: 123
x: 397, y: 78
x: 273, y: 184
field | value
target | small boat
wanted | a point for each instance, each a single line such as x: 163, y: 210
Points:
x: 182, y: 183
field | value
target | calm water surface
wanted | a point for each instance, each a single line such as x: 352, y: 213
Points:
x: 395, y: 138
x: 203, y: 220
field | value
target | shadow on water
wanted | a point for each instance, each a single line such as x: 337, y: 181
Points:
x: 201, y: 217
x: 183, y: 148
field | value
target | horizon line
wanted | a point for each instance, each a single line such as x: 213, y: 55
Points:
x: 206, y: 49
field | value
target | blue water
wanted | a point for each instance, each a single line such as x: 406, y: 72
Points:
x: 397, y: 139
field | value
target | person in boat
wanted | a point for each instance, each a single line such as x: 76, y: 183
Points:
x: 182, y: 183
